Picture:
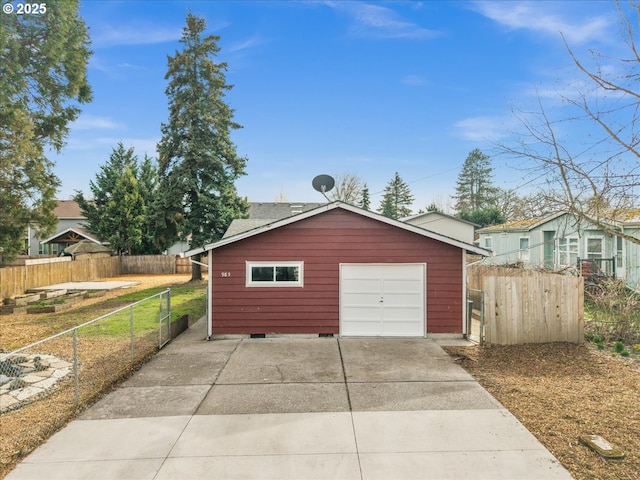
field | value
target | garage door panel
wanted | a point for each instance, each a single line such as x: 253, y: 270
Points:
x: 401, y: 286
x: 402, y: 300
x: 382, y: 300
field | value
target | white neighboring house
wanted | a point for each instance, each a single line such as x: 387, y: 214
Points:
x: 444, y: 224
x: 558, y: 241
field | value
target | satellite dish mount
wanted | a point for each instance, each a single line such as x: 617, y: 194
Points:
x: 323, y: 184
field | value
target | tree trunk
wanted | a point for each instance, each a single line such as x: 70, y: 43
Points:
x: 196, y: 268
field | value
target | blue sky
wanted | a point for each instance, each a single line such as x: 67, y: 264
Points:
x: 368, y: 88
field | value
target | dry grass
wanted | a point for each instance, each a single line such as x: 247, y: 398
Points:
x: 104, y: 362
x: 561, y: 391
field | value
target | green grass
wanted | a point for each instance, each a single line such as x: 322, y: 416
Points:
x: 185, y: 300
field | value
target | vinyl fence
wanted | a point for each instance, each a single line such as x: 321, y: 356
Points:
x: 523, y: 306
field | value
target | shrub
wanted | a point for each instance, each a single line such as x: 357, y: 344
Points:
x: 614, y: 312
x: 600, y: 346
x: 619, y: 347
x: 624, y: 353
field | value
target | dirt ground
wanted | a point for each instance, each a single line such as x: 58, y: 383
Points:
x: 562, y: 391
x: 104, y: 363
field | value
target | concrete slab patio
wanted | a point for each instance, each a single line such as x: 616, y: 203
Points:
x: 296, y: 408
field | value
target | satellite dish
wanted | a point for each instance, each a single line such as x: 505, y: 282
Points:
x: 323, y: 183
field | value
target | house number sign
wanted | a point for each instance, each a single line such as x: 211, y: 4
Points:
x: 225, y: 274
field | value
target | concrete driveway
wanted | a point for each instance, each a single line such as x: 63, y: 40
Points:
x: 316, y: 408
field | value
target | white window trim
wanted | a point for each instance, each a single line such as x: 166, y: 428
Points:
x: 488, y: 242
x: 568, y: 252
x: 602, y: 246
x: 249, y: 264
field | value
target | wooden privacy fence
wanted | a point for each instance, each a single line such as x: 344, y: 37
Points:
x: 156, y: 264
x: 524, y: 306
x: 15, y: 280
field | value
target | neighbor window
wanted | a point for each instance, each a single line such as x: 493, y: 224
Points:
x: 524, y: 249
x: 488, y: 243
x: 567, y: 251
x: 595, y: 247
x: 274, y: 274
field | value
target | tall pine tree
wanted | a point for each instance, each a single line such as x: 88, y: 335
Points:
x: 198, y: 163
x: 474, y: 188
x: 43, y: 79
x: 396, y: 199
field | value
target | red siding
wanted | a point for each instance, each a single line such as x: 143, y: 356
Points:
x: 322, y: 242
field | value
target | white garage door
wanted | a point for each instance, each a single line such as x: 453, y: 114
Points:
x: 382, y: 300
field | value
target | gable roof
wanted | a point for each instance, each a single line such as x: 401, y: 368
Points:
x: 521, y: 225
x: 434, y: 212
x: 617, y: 218
x: 343, y: 206
x: 72, y: 233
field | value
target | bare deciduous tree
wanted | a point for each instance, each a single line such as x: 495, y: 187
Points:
x: 348, y: 188
x: 595, y: 177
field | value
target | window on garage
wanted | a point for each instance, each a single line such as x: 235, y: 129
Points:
x: 274, y: 274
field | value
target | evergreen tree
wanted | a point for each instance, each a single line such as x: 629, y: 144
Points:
x: 117, y: 211
x: 198, y: 163
x: 148, y: 187
x: 474, y: 188
x: 124, y: 210
x: 365, y: 199
x: 396, y: 199
x: 43, y: 63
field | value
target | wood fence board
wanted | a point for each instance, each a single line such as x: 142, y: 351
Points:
x: 529, y: 306
x: 15, y: 280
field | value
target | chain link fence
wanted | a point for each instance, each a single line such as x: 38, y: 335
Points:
x: 63, y: 372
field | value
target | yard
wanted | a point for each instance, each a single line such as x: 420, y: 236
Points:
x: 560, y: 391
x: 104, y: 351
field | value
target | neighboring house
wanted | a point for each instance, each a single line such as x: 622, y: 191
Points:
x: 556, y: 241
x: 444, y: 224
x: 337, y: 269
x: 70, y: 230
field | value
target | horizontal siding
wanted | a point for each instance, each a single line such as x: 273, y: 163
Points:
x: 323, y: 242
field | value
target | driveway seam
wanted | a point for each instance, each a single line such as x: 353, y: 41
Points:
x: 353, y: 425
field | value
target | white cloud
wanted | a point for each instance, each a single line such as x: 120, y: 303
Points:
x: 533, y: 16
x: 140, y: 145
x: 245, y: 44
x: 414, y: 80
x: 381, y: 22
x: 90, y: 122
x: 483, y: 128
x: 109, y: 36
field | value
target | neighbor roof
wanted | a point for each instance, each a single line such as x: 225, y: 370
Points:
x: 332, y: 206
x: 278, y: 210
x: 434, y: 212
x: 72, y: 232
x: 86, y: 246
x: 68, y: 209
x: 621, y: 217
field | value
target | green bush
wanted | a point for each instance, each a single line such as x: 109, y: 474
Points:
x: 600, y: 345
x: 619, y: 347
x: 624, y: 353
x: 596, y: 339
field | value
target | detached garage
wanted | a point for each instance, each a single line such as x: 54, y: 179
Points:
x: 337, y: 269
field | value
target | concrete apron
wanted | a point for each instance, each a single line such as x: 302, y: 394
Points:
x: 351, y: 408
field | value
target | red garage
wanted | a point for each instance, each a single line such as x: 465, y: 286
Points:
x: 337, y: 269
